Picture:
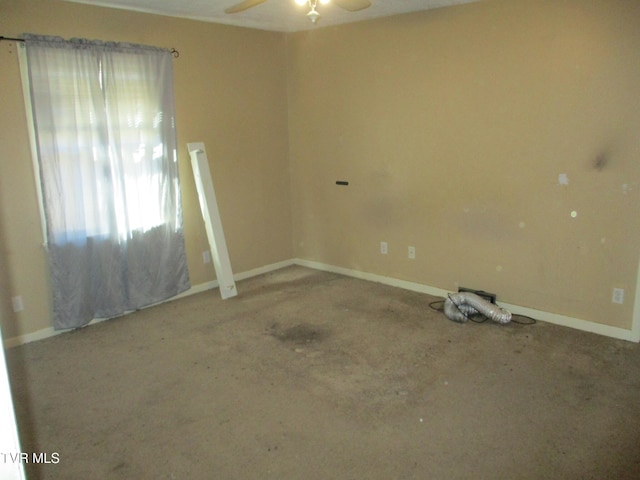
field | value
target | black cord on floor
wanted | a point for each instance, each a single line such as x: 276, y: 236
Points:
x: 432, y: 305
x: 528, y: 320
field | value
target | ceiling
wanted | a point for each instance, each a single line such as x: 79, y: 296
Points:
x: 274, y: 15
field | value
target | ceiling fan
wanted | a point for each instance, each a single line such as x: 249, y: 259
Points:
x: 313, y: 15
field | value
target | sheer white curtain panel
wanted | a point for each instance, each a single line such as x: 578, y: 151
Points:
x: 104, y: 122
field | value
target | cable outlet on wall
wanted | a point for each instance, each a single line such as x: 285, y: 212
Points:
x: 206, y: 256
x: 618, y: 295
x: 384, y: 248
x: 411, y: 253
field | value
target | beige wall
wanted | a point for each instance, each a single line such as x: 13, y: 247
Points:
x: 230, y: 90
x: 453, y: 127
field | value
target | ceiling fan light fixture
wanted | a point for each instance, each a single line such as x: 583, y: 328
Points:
x: 313, y: 15
x: 349, y: 5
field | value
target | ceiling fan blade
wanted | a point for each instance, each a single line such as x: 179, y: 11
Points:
x: 353, y: 5
x: 242, y: 6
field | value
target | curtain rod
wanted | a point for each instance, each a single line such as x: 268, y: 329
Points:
x: 173, y: 51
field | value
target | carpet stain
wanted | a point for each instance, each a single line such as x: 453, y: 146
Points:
x: 300, y: 334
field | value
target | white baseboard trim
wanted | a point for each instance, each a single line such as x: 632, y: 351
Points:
x: 571, y: 322
x: 262, y: 270
x: 372, y: 277
x: 576, y: 323
x: 30, y: 337
x: 203, y: 287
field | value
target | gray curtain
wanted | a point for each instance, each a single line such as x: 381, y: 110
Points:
x: 104, y: 120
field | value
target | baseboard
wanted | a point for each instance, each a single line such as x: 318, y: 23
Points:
x: 575, y: 323
x: 372, y: 277
x: 571, y: 322
x: 203, y: 287
x: 30, y: 337
x: 548, y: 317
x: 262, y: 270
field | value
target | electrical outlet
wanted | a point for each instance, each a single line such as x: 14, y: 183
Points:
x: 17, y: 303
x: 618, y: 295
x: 383, y: 248
x: 206, y: 256
x: 411, y: 253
